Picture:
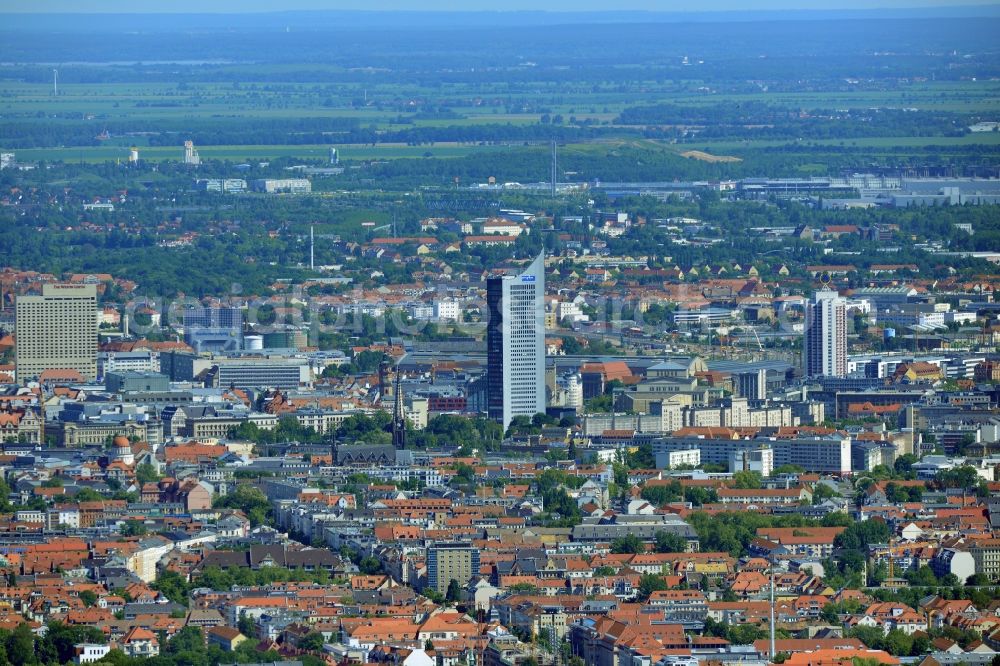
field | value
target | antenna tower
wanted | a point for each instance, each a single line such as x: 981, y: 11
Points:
x: 772, y: 608
x: 554, y: 169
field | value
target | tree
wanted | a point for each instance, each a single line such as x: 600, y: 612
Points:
x: 650, y: 583
x: 950, y: 580
x: 173, y: 586
x: 464, y: 474
x: 88, y: 597
x: 904, y: 464
x: 4, y: 494
x: 667, y: 542
x: 370, y: 566
x: 87, y: 495
x: 745, y: 634
x: 964, y: 477
x: 661, y: 494
x: 923, y: 576
x: 699, y: 496
x: 836, y: 519
x: 978, y: 579
x: 898, y: 643
x: 858, y: 535
x: 188, y: 647
x: 21, y: 646
x: 250, y: 500
x: 454, y: 592
x: 132, y: 528
x: 57, y: 646
x: 873, y: 637
x: 747, y: 480
x: 313, y: 642
x: 146, y: 473
x: 628, y: 544
x: 823, y: 492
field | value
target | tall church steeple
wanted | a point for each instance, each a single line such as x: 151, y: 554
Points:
x: 398, y: 418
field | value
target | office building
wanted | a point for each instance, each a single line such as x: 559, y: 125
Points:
x: 682, y: 458
x: 826, y: 336
x: 257, y: 372
x: 57, y: 331
x: 134, y: 361
x: 221, y: 184
x: 279, y: 185
x: 825, y: 454
x: 447, y: 310
x: 213, y: 329
x: 759, y: 460
x: 515, y: 341
x: 451, y: 561
x: 751, y: 385
x: 131, y: 382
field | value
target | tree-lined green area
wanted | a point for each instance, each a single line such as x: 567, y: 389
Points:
x: 732, y: 532
x: 249, y: 243
x: 442, y: 430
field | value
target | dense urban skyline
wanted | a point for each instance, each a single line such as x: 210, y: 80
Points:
x: 577, y: 336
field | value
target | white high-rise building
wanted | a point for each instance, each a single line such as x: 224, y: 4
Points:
x: 825, y: 352
x: 515, y: 342
x: 191, y: 154
x: 57, y: 331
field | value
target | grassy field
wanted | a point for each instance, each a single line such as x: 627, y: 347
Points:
x: 115, y: 152
x: 716, y: 150
x: 707, y: 157
x: 384, y: 105
x: 393, y: 107
x: 961, y: 97
x: 978, y: 139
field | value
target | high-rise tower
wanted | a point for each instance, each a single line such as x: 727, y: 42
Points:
x: 57, y: 331
x: 515, y: 344
x: 825, y: 352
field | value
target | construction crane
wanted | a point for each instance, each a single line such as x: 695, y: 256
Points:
x: 759, y: 354
x: 386, y: 226
x: 756, y: 337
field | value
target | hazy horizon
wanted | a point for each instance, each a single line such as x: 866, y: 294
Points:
x: 560, y: 6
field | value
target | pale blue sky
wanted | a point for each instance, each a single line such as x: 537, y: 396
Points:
x: 240, y: 6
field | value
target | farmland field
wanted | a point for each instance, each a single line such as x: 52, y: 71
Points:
x: 118, y: 150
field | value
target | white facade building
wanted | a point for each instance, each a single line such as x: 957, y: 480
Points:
x: 88, y: 653
x: 447, y: 310
x: 690, y: 457
x: 752, y: 460
x: 137, y: 361
x: 826, y: 335
x: 569, y: 389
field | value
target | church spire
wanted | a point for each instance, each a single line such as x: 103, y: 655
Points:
x: 398, y: 419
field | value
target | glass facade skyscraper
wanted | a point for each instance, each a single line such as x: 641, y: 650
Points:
x: 515, y: 343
